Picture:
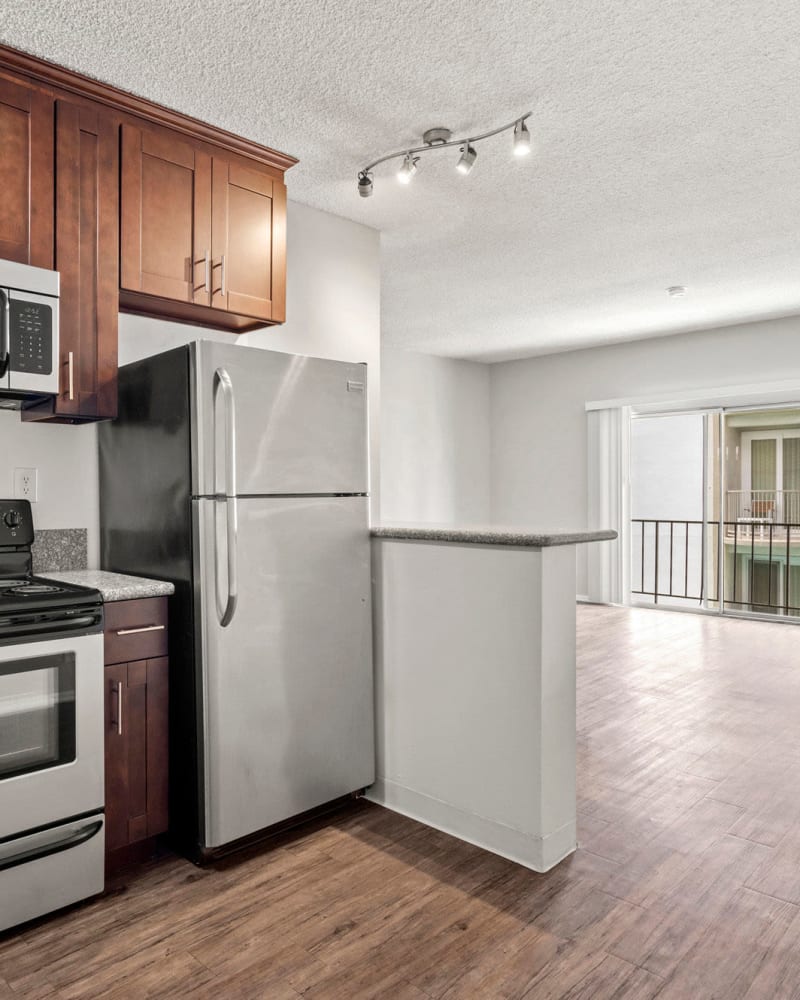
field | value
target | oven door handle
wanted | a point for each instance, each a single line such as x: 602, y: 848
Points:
x: 36, y: 853
x: 45, y: 629
x: 5, y: 339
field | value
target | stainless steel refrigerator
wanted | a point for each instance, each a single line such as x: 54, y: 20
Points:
x: 242, y: 476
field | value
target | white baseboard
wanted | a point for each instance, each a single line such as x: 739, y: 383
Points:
x: 539, y: 853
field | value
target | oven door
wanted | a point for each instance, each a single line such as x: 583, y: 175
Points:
x: 51, y: 732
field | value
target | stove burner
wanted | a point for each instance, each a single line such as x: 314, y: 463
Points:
x: 34, y: 590
x: 6, y: 584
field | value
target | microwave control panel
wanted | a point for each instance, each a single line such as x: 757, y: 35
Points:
x: 31, y: 341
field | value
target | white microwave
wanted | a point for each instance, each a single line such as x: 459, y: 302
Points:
x: 28, y: 332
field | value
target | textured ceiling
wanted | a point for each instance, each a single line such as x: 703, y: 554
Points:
x: 666, y: 134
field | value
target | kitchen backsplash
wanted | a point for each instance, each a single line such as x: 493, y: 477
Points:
x: 59, y: 549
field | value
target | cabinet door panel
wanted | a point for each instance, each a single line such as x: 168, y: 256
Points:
x: 116, y: 757
x: 26, y: 175
x: 157, y: 746
x: 248, y: 227
x: 136, y: 735
x: 166, y: 215
x: 87, y: 213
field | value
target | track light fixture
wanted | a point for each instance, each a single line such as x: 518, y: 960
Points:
x: 440, y: 138
x: 408, y: 169
x: 365, y: 184
x: 467, y: 159
x: 522, y: 139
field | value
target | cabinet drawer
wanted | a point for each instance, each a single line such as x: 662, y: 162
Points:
x: 136, y: 630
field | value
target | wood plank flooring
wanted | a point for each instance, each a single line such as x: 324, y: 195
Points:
x: 686, y: 884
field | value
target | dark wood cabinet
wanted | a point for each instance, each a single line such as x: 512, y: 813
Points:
x: 203, y: 235
x: 140, y: 208
x: 26, y: 174
x: 166, y: 217
x: 248, y: 240
x: 137, y: 728
x: 87, y: 254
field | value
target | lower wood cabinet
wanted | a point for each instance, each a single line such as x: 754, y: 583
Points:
x: 136, y: 724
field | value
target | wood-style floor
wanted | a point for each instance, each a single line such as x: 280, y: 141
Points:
x: 686, y: 884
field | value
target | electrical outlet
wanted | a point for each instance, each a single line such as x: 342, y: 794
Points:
x: 26, y: 484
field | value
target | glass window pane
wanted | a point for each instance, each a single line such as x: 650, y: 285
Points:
x: 763, y: 464
x: 37, y: 713
x: 791, y: 463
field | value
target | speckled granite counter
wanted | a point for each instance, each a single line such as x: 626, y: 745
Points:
x: 481, y: 535
x: 114, y: 586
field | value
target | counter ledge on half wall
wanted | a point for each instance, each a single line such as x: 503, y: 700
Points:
x: 487, y: 535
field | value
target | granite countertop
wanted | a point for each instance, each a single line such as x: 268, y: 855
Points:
x: 113, y: 586
x: 488, y: 535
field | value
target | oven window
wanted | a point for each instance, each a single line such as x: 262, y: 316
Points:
x: 37, y: 713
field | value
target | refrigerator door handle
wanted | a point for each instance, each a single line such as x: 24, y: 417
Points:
x: 223, y: 384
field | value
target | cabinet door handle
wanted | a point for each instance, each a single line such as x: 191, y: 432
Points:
x: 119, y: 708
x: 222, y: 276
x: 141, y: 628
x: 208, y: 271
x: 71, y: 366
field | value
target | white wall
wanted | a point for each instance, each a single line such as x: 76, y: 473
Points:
x: 66, y: 457
x: 539, y: 457
x: 435, y: 433
x: 333, y: 309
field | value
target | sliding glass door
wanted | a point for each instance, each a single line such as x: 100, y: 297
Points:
x: 761, y: 561
x: 674, y: 493
x: 715, y: 510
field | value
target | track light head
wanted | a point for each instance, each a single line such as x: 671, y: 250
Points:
x: 467, y: 159
x: 365, y: 184
x: 408, y: 169
x: 522, y: 139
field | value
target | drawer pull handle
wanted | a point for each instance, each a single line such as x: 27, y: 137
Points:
x: 143, y: 628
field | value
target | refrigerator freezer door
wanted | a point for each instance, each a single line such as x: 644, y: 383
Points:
x: 299, y: 424
x: 287, y: 683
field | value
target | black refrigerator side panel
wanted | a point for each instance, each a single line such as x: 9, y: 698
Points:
x: 146, y: 529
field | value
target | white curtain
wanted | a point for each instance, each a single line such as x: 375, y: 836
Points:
x: 608, y: 563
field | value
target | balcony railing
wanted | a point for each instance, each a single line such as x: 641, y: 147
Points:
x: 671, y: 558
x: 757, y: 506
x: 677, y: 560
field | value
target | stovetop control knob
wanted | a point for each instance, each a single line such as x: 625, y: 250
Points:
x: 12, y: 519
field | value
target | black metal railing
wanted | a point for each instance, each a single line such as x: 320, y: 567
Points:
x: 666, y: 548
x: 755, y: 539
x: 664, y: 554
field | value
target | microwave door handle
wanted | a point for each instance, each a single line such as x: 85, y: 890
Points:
x: 5, y: 323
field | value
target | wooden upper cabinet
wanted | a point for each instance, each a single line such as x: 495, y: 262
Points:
x: 166, y: 217
x: 86, y: 257
x: 203, y: 234
x: 26, y: 174
x: 87, y: 211
x: 248, y: 239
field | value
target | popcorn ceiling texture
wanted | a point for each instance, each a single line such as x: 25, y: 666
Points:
x: 665, y: 132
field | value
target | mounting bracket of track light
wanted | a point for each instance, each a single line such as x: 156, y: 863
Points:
x: 442, y: 138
